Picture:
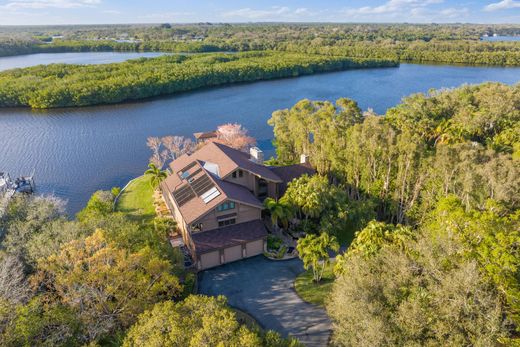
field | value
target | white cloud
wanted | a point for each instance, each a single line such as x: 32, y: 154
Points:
x: 406, y: 10
x: 391, y: 6
x: 40, y: 4
x: 502, y: 5
x: 249, y: 13
x: 111, y: 12
x: 274, y: 13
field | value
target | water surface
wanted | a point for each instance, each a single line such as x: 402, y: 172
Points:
x: 27, y: 60
x: 74, y: 152
x: 501, y: 38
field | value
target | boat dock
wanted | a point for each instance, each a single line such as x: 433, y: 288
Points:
x: 10, y: 187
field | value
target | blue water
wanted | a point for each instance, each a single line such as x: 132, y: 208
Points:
x: 74, y: 152
x: 20, y: 61
x: 501, y: 38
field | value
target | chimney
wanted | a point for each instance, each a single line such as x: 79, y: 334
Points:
x: 304, y: 159
x: 257, y: 155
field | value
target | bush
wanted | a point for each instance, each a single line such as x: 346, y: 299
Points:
x: 273, y: 242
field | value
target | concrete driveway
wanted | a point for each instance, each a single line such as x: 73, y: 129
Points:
x: 264, y: 289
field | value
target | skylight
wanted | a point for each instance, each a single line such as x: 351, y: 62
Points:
x: 212, y: 167
x: 210, y: 195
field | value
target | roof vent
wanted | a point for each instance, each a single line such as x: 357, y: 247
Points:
x: 257, y: 155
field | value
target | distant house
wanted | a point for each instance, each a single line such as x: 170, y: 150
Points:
x: 203, y: 137
x: 216, y: 195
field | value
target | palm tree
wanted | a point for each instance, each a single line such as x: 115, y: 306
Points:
x: 156, y: 175
x: 314, y: 250
x: 279, y: 211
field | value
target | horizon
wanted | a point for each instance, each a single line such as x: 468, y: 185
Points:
x: 117, y: 12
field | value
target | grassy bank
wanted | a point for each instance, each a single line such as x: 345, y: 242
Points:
x: 137, y: 200
x: 312, y: 292
x: 61, y: 85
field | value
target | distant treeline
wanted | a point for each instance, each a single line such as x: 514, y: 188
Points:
x: 440, y: 51
x: 453, y: 52
x: 62, y: 85
x: 10, y: 48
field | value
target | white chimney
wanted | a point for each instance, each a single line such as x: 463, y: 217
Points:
x: 257, y: 155
x: 304, y: 159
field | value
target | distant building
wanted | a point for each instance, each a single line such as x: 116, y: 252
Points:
x: 216, y: 195
x: 203, y: 137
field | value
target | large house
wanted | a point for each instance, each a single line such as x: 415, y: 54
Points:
x: 216, y: 195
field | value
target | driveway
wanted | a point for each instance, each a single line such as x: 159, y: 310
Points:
x: 264, y: 289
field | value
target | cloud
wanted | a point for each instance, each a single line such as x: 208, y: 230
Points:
x: 406, y: 10
x: 272, y: 13
x: 502, y: 5
x: 111, y: 12
x: 391, y: 6
x: 41, y: 4
x: 250, y: 13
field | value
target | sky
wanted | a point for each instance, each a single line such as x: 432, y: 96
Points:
x: 36, y: 12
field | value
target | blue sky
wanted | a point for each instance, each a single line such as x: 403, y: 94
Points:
x: 26, y: 12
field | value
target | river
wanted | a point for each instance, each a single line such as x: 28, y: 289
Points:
x: 77, y: 151
x: 27, y: 60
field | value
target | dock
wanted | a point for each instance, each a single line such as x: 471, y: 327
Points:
x: 9, y: 188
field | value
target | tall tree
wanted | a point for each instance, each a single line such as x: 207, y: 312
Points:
x: 107, y: 287
x: 314, y: 250
x: 156, y: 175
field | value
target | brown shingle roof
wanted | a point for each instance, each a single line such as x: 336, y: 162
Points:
x: 196, y: 208
x: 207, y: 241
x: 290, y: 172
x: 242, y: 160
x: 228, y: 159
x: 206, y: 135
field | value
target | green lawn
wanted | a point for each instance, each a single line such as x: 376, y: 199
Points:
x: 312, y: 292
x: 137, y: 200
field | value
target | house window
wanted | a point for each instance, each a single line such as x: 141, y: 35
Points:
x: 234, y: 174
x: 195, y: 227
x: 226, y: 206
x: 224, y: 223
x: 240, y: 173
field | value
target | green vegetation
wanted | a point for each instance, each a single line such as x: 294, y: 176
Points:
x: 314, y: 252
x: 448, y: 43
x: 105, y: 279
x: 80, y: 85
x: 137, y: 199
x: 310, y: 291
x: 198, y: 321
x: 430, y: 193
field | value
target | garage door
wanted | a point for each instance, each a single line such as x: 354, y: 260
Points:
x: 255, y: 248
x: 208, y: 260
x: 233, y: 253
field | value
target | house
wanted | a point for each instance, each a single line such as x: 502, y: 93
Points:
x: 203, y: 137
x: 216, y: 196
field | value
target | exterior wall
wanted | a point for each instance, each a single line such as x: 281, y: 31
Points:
x: 222, y: 256
x: 272, y: 190
x: 248, y: 180
x: 248, y: 213
x: 178, y: 218
x: 245, y: 213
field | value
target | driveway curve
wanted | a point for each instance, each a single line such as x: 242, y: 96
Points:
x: 265, y: 289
